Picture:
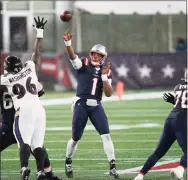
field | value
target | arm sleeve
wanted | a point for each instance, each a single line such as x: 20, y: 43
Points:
x: 77, y: 63
x: 30, y: 64
x: 176, y: 87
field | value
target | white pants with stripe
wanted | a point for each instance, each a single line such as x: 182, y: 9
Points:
x: 29, y: 125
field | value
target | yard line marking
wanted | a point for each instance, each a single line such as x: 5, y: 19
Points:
x: 49, y: 133
x: 127, y: 97
x: 84, y: 150
x: 92, y: 159
x: 100, y: 141
x: 112, y: 127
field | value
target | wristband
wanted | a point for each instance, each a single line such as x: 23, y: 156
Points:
x: 40, y: 33
x: 67, y: 43
x: 104, y: 77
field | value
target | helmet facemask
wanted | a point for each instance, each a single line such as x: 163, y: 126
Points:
x: 99, y: 63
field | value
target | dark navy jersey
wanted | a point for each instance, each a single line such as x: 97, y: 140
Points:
x: 6, y: 104
x: 90, y: 85
x: 181, y: 96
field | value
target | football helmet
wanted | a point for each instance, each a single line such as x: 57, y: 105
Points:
x: 13, y: 64
x: 100, y: 49
x: 185, y: 76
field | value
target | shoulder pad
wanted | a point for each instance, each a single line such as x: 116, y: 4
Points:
x: 85, y: 61
x: 176, y: 87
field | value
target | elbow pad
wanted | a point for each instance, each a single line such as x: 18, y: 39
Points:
x: 76, y: 63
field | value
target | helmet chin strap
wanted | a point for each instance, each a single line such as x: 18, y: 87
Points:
x: 95, y: 63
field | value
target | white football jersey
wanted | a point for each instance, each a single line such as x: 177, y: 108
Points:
x: 22, y: 86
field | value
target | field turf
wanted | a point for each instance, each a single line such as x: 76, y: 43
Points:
x: 135, y: 129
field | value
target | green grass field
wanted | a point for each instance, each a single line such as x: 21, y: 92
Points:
x: 133, y: 144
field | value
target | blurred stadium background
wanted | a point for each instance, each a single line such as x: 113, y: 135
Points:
x: 147, y: 46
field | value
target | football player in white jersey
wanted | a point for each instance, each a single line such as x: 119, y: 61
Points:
x: 30, y: 119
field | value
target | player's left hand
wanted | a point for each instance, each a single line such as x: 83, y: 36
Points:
x: 39, y: 23
x: 169, y: 98
x: 106, y: 68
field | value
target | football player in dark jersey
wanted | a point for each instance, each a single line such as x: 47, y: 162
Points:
x: 175, y: 128
x: 6, y: 127
x: 93, y: 79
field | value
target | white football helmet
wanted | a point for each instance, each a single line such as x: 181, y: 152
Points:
x: 100, y: 49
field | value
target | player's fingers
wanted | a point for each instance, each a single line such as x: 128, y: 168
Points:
x: 65, y: 38
x: 164, y: 96
x: 45, y: 22
x: 38, y: 19
x: 35, y: 20
x: 42, y: 19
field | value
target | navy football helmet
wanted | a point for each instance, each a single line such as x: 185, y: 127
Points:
x: 13, y: 64
x: 185, y: 76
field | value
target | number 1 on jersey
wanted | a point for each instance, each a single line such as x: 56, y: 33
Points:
x: 94, y: 86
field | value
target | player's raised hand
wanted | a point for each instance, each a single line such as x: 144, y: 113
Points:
x: 169, y: 98
x: 106, y: 68
x: 39, y: 23
x: 67, y: 35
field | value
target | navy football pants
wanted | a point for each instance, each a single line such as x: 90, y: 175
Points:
x: 80, y: 117
x: 175, y: 128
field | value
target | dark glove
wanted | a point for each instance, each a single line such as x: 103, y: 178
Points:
x: 169, y: 98
x: 39, y: 26
x: 41, y: 93
x: 39, y: 23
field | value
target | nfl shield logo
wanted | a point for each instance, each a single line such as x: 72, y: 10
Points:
x: 97, y: 70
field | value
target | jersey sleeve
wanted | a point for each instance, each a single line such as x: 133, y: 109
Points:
x: 110, y: 76
x: 176, y: 88
x: 77, y: 63
x: 4, y: 80
x: 30, y: 64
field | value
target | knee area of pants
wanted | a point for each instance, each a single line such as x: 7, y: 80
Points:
x: 75, y: 139
x: 157, y: 155
x: 25, y: 147
x: 39, y: 149
x: 35, y: 148
x: 106, y: 137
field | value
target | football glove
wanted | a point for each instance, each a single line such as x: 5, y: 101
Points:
x: 169, y: 98
x: 41, y: 93
x: 39, y: 26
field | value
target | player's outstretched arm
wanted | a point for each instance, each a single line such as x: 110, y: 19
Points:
x: 67, y: 39
x: 108, y: 90
x: 76, y: 62
x: 39, y: 26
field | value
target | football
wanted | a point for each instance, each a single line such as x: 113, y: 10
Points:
x: 66, y: 16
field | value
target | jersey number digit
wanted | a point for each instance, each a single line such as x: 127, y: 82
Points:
x: 94, y: 86
x: 19, y: 89
x: 181, y: 96
x: 7, y: 101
